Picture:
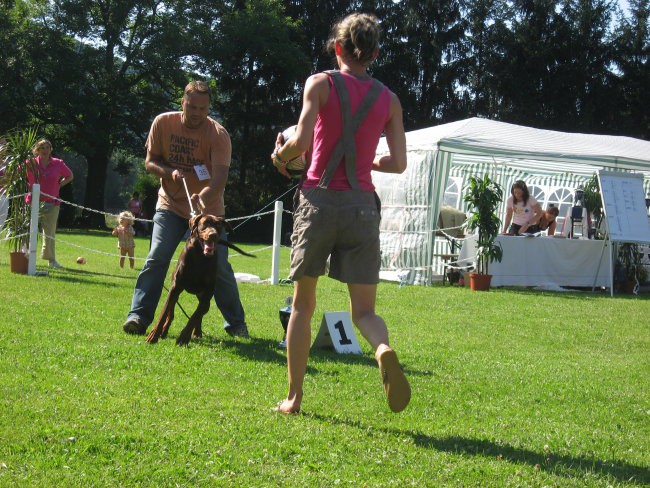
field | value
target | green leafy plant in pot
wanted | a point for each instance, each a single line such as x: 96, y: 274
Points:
x: 16, y: 159
x: 631, y: 265
x: 484, y: 196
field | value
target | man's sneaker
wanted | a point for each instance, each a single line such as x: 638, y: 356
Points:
x: 134, y: 326
x: 237, y: 331
x: 54, y: 264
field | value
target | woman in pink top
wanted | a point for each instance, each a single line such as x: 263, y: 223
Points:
x: 52, y: 175
x: 337, y: 212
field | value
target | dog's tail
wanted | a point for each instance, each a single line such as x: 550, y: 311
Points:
x: 232, y: 246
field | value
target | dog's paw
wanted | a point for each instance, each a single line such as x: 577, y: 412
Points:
x: 152, y: 338
x: 183, y: 340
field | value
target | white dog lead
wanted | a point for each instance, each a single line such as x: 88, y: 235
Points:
x: 192, y: 212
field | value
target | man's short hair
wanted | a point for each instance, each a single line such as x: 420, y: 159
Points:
x: 553, y: 211
x: 197, y: 86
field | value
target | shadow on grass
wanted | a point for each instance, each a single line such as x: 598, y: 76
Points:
x: 258, y: 349
x: 253, y: 349
x: 81, y: 275
x: 328, y: 354
x: 573, y: 294
x: 561, y: 465
x: 576, y: 293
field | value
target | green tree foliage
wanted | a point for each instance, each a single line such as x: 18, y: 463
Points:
x: 316, y: 20
x: 544, y: 63
x: 421, y: 58
x: 16, y: 67
x: 632, y: 59
x: 255, y: 58
x: 525, y: 72
x: 586, y: 77
x: 485, y: 46
x: 104, y: 70
x: 94, y: 73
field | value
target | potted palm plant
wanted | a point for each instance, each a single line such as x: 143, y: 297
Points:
x: 484, y: 196
x: 15, y: 159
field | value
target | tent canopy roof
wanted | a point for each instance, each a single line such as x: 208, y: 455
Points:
x: 503, y: 140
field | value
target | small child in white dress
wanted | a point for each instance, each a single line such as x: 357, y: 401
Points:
x: 125, y: 241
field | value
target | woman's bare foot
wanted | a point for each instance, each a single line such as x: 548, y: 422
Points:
x: 287, y: 407
x: 396, y: 386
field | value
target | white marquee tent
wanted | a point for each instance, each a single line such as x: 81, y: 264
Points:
x: 441, y: 158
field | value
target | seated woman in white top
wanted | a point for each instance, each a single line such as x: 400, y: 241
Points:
x: 521, y: 209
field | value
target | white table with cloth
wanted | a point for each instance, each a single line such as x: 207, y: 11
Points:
x: 545, y: 261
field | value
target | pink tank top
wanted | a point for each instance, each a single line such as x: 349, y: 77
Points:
x: 328, y: 132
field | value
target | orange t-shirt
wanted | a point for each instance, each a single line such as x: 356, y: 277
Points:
x: 189, y: 150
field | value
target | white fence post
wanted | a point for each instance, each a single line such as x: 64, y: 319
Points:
x: 277, y: 233
x: 33, y: 229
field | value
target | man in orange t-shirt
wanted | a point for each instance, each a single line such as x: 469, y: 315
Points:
x: 186, y: 147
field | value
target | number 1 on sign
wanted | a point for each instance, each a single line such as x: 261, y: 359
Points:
x: 344, y: 341
x: 336, y: 330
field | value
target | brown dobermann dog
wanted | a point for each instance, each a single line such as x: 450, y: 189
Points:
x: 196, y: 273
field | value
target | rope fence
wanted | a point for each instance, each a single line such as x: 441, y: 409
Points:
x: 450, y: 237
x: 33, y: 234
x: 7, y: 239
x: 150, y: 221
x: 457, y: 264
x: 460, y: 264
x: 104, y: 253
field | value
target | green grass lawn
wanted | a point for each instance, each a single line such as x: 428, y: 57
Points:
x: 511, y: 387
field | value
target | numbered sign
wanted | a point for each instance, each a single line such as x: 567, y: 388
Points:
x: 202, y: 172
x: 336, y: 331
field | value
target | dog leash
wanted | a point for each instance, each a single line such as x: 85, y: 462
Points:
x: 192, y: 212
x: 178, y: 303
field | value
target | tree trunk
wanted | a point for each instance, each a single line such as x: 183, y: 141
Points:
x: 94, y: 198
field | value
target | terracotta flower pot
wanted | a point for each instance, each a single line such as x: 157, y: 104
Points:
x: 479, y: 282
x: 628, y: 286
x: 18, y: 262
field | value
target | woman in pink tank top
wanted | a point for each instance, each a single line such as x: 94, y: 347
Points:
x: 336, y: 215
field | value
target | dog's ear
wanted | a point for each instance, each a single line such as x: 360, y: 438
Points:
x: 194, y: 225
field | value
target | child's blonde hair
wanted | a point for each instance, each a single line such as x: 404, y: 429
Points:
x: 128, y: 216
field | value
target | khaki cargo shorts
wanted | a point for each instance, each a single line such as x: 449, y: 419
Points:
x: 341, y: 225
